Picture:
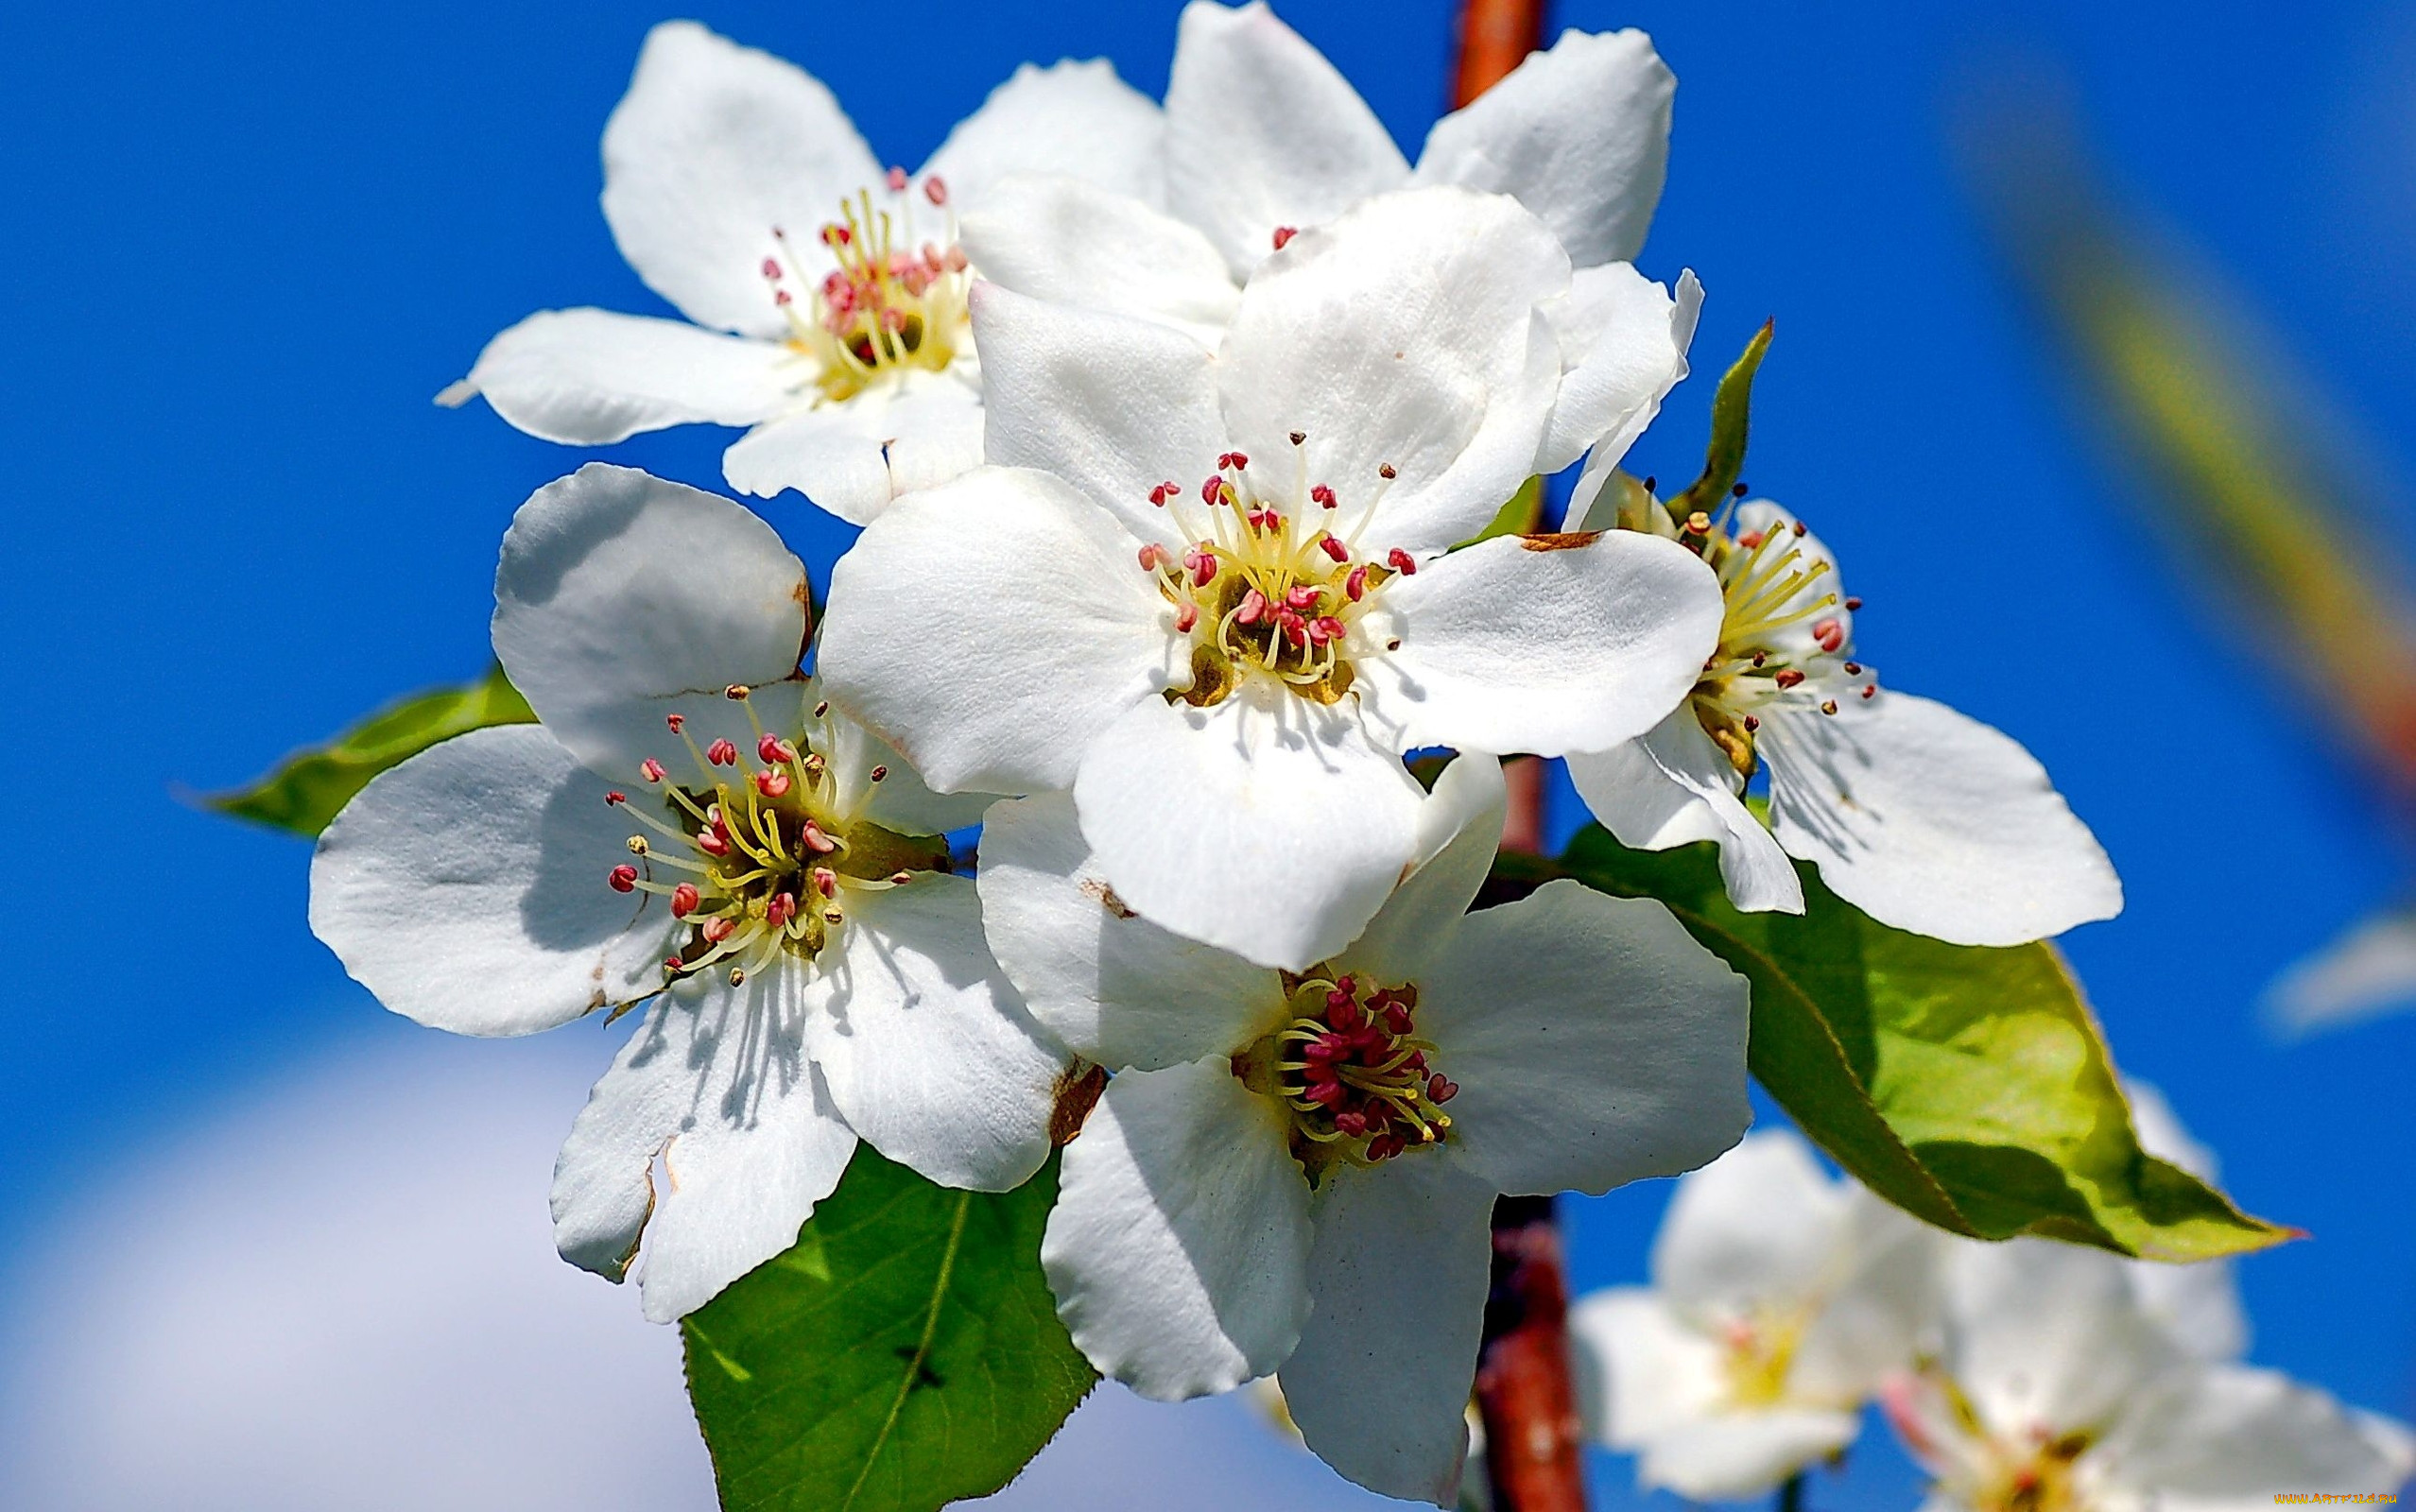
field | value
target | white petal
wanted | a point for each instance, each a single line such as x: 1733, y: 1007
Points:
x: 1058, y: 238
x: 465, y: 888
x: 1673, y: 787
x: 622, y: 599
x: 1113, y: 403
x: 2370, y: 969
x: 1459, y: 831
x: 1179, y: 1247
x: 721, y: 1088
x: 714, y: 146
x: 1623, y: 346
x: 2233, y: 1435
x: 852, y: 457
x: 993, y: 629
x: 1262, y: 132
x: 927, y: 1050
x: 1266, y: 825
x: 1543, y: 643
x: 589, y: 377
x: 1114, y: 986
x: 1761, y: 1224
x: 1879, y: 1313
x: 2047, y: 1332
x: 1379, y: 1384
x: 1733, y: 1456
x: 1580, y: 134
x: 897, y: 800
x: 1643, y: 1371
x: 1072, y: 117
x: 931, y: 433
x: 1406, y: 335
x: 1594, y: 1041
x: 1931, y: 821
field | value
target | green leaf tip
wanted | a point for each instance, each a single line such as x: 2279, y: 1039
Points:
x: 1731, y: 418
x: 1968, y: 1084
x: 915, y: 1358
x: 309, y: 788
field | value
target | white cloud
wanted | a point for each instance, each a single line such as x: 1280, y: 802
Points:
x: 341, y: 1296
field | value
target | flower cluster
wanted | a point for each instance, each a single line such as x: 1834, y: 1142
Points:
x: 1175, y: 434
x: 2024, y: 1377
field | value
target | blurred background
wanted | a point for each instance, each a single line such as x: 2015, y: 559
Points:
x: 270, y: 1247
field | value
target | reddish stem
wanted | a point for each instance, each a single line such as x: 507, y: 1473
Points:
x: 1493, y: 35
x: 1533, y: 1434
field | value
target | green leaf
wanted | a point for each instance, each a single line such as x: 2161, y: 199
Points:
x: 310, y: 787
x: 1969, y: 1086
x: 905, y: 1354
x: 1732, y: 416
x: 1519, y: 516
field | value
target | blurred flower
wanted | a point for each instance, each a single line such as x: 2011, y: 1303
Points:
x: 1298, y: 1171
x: 774, y: 889
x: 2198, y: 1305
x: 851, y: 358
x: 1265, y: 140
x: 1921, y: 816
x: 1227, y: 671
x: 2058, y: 1391
x: 1779, y: 1300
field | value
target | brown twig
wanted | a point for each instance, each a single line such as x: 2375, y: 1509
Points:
x: 1493, y: 35
x: 1532, y: 1431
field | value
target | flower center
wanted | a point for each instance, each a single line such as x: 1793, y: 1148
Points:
x: 1770, y: 582
x: 1268, y: 587
x: 888, y: 307
x: 1757, y: 1351
x: 764, y: 854
x: 2036, y: 1476
x: 1350, y: 1072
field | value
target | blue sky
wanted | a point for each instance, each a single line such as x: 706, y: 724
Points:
x: 244, y: 246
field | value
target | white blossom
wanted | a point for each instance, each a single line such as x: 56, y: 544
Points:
x: 1295, y: 1171
x: 692, y: 828
x: 2058, y: 1391
x: 1780, y: 1301
x: 827, y: 294
x: 1921, y: 816
x: 1264, y: 138
x: 1208, y: 591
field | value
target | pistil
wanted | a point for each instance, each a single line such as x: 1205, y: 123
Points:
x: 1269, y: 585
x: 767, y: 850
x: 887, y: 307
x: 1350, y: 1071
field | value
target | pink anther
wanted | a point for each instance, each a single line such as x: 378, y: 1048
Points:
x: 722, y: 754
x: 773, y: 783
x: 683, y: 899
x: 1354, y: 587
x: 1788, y: 678
x: 935, y: 190
x: 650, y: 769
x: 772, y: 750
x: 1400, y: 561
x: 1333, y: 548
x: 1322, y: 495
x: 1829, y: 634
x: 1283, y: 234
x: 623, y: 878
x: 1254, y: 608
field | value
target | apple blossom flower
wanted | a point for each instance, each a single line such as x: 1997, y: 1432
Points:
x: 1265, y: 138
x: 1297, y: 1170
x: 2056, y: 1391
x: 1208, y: 593
x: 1779, y: 1300
x: 827, y: 295
x: 1921, y: 816
x: 691, y: 827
